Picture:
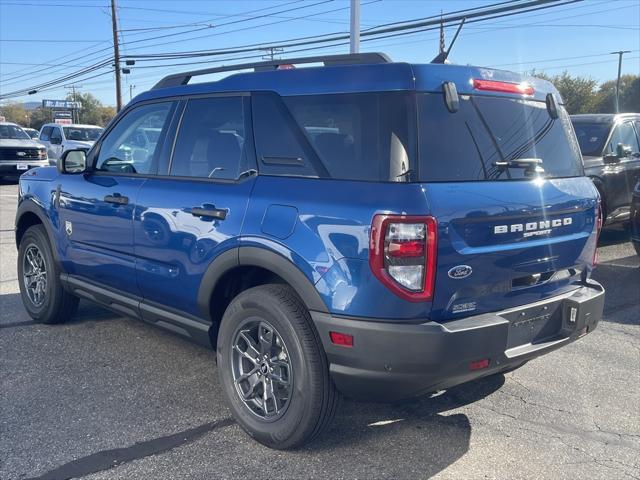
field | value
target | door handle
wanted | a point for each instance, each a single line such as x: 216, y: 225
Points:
x: 209, y: 212
x: 116, y: 199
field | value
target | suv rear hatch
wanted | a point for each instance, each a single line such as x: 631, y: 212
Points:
x: 507, y: 235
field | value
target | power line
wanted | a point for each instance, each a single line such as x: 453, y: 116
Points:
x: 374, y: 34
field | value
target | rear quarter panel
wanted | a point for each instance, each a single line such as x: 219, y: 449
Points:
x: 322, y: 227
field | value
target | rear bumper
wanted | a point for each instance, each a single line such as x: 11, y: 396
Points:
x: 391, y: 361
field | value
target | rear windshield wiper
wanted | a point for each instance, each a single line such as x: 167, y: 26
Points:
x: 531, y: 165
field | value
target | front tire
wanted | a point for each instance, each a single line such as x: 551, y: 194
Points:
x: 39, y: 278
x: 273, y: 368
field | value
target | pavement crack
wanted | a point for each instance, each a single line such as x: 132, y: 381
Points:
x: 107, y: 459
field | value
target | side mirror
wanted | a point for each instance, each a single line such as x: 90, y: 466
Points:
x: 55, y: 141
x: 73, y: 161
x: 623, y: 150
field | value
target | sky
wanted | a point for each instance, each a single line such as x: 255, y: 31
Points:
x: 41, y: 40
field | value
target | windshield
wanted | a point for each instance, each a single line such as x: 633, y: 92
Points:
x: 465, y: 145
x: 83, y: 134
x: 32, y: 133
x: 591, y: 137
x: 12, y: 132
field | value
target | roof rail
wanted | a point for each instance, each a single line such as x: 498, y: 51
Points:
x: 178, y: 79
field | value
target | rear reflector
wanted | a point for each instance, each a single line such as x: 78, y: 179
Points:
x: 342, y: 339
x: 479, y: 364
x: 504, y: 87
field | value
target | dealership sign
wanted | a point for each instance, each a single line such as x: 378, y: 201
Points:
x: 60, y: 104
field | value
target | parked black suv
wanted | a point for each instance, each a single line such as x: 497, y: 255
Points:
x: 610, y: 146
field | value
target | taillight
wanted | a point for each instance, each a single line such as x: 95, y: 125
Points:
x: 598, y: 222
x: 522, y: 88
x: 402, y: 254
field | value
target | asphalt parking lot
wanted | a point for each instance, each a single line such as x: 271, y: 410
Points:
x: 106, y: 397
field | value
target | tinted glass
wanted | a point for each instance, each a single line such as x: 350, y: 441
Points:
x: 211, y: 139
x: 56, y: 134
x: 82, y: 134
x: 464, y: 146
x: 125, y: 149
x: 358, y: 136
x: 12, y: 132
x: 591, y: 137
x: 282, y: 147
x: 46, y: 132
x: 625, y: 135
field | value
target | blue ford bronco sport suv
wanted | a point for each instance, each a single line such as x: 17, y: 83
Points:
x: 380, y: 229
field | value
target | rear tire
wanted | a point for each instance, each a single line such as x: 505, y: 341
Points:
x: 39, y: 279
x: 301, y: 399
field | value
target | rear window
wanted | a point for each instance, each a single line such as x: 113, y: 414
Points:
x: 591, y: 137
x: 464, y: 146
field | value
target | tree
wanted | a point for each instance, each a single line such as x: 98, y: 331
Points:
x: 39, y: 117
x: 578, y: 93
x: 14, y: 112
x: 92, y: 111
x: 629, y: 95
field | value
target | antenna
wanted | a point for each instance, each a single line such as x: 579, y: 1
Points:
x: 442, y: 56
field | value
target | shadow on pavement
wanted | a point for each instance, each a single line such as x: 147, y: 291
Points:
x: 621, y: 280
x: 614, y: 235
x: 444, y: 438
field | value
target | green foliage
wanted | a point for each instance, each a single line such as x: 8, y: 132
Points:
x: 39, y: 117
x: 14, y: 112
x: 92, y: 111
x: 583, y: 95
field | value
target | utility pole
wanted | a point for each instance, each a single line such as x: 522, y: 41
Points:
x: 619, y: 53
x: 116, y: 55
x: 271, y: 53
x: 75, y: 110
x: 354, y: 40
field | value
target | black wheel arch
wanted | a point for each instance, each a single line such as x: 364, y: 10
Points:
x: 29, y: 214
x: 242, y: 257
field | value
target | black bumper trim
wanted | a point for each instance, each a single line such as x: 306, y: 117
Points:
x: 392, y: 360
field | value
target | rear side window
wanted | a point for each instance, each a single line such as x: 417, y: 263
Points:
x: 464, y: 146
x: 282, y: 148
x: 365, y: 136
x: 46, y: 133
x: 211, y: 140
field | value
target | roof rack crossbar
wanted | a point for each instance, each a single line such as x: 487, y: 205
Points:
x: 178, y: 79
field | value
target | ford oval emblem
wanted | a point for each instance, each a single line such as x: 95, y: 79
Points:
x: 460, y: 271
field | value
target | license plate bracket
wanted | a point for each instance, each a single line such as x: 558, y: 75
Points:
x: 535, y: 324
x: 22, y: 166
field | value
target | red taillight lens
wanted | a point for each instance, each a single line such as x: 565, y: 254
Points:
x: 402, y: 254
x: 598, y: 221
x: 504, y: 87
x: 342, y: 339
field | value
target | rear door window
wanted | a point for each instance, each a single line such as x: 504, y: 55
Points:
x: 465, y: 145
x: 211, y: 140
